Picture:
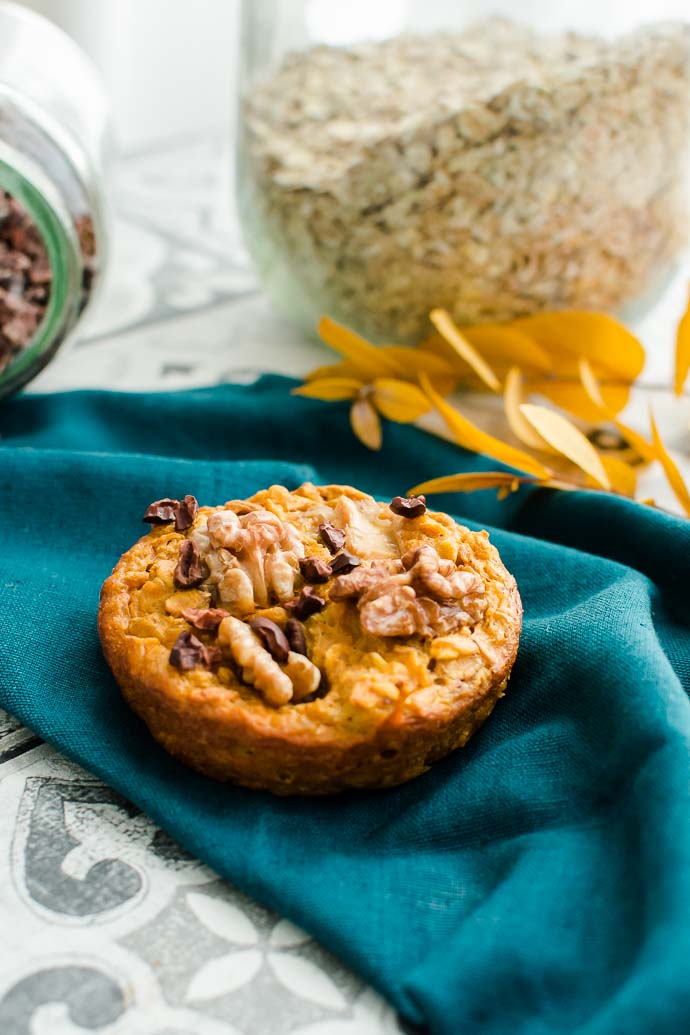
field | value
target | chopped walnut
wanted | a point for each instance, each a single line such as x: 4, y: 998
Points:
x: 253, y: 557
x: 258, y: 667
x: 440, y: 579
x: 224, y: 528
x: 279, y: 684
x: 361, y: 579
x: 305, y: 676
x: 236, y: 591
x: 421, y: 595
x: 390, y: 613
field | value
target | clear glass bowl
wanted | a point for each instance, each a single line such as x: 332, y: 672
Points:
x: 53, y: 142
x: 491, y: 159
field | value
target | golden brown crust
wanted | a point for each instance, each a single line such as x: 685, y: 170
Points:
x: 392, y: 706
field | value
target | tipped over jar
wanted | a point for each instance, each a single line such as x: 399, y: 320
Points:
x: 480, y: 164
x: 53, y: 133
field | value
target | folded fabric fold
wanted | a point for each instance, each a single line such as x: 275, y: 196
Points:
x: 536, y: 881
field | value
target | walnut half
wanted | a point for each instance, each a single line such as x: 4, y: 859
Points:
x: 252, y: 558
x: 278, y: 684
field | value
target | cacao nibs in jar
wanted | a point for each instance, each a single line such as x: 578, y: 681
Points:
x: 190, y: 570
x: 272, y: 637
x: 332, y: 538
x: 344, y: 562
x: 308, y: 603
x: 408, y: 506
x: 188, y: 652
x: 313, y: 569
x: 205, y: 619
x: 294, y: 632
x: 26, y: 275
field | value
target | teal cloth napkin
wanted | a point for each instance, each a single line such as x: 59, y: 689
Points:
x: 537, y: 881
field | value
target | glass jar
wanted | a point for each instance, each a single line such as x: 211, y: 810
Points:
x: 492, y: 159
x: 53, y: 132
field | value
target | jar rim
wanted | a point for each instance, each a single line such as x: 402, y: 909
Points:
x: 66, y: 263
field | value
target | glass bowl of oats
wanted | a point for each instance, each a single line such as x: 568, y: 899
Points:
x: 398, y: 156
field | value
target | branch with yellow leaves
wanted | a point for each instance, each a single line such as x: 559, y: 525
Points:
x: 583, y: 363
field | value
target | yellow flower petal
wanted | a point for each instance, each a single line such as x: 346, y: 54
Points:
x: 473, y: 438
x: 398, y: 400
x: 512, y: 400
x: 596, y: 336
x: 344, y: 369
x: 560, y: 433
x: 330, y: 389
x: 593, y: 389
x: 370, y: 361
x: 621, y: 475
x: 471, y: 482
x: 682, y: 351
x: 444, y: 324
x: 590, y: 384
x: 412, y: 362
x: 366, y: 424
x: 673, y: 475
x: 502, y: 344
x: 573, y: 397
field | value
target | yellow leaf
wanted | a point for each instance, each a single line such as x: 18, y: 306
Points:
x: 512, y: 400
x: 673, y: 475
x: 682, y: 351
x: 344, y: 369
x: 398, y: 400
x: 573, y: 397
x: 330, y: 389
x: 560, y: 433
x: 413, y: 362
x: 472, y: 482
x: 366, y: 424
x: 444, y: 325
x: 595, y: 336
x: 591, y: 385
x: 473, y: 438
x: 622, y: 476
x: 503, y: 344
x: 370, y: 361
x: 593, y: 390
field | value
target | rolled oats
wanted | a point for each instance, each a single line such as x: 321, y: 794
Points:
x: 493, y: 172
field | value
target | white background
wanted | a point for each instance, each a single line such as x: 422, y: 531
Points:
x: 168, y: 65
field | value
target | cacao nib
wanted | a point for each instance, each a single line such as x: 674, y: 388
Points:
x: 408, y: 506
x: 294, y: 632
x: 272, y: 637
x: 344, y: 562
x: 313, y: 569
x: 190, y: 570
x: 185, y: 513
x: 308, y: 603
x: 162, y: 512
x: 332, y: 538
x: 189, y: 652
x: 205, y: 619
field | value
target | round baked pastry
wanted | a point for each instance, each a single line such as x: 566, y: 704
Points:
x: 306, y: 642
